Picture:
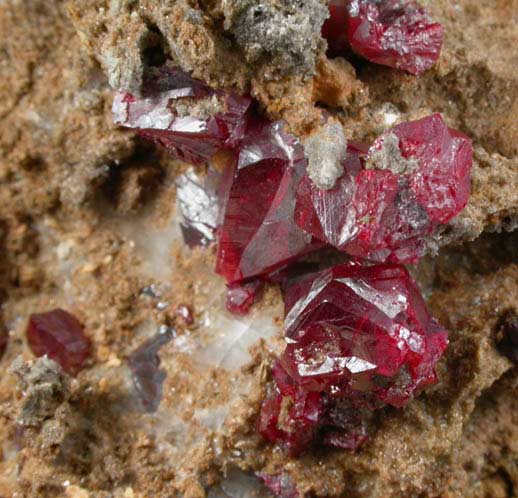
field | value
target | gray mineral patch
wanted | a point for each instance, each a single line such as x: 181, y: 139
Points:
x: 288, y: 30
x: 325, y: 152
x: 385, y: 154
x: 199, y: 108
x: 44, y: 386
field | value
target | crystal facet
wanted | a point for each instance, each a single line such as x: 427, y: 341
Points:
x: 187, y: 117
x: 197, y: 202
x: 395, y: 33
x: 241, y: 296
x: 359, y: 337
x: 393, y: 194
x: 60, y: 336
x: 258, y: 233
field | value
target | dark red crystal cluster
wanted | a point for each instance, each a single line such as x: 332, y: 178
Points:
x: 393, y: 194
x: 394, y: 33
x: 359, y: 336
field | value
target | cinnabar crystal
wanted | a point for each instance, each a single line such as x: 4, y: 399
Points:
x: 395, y: 33
x: 182, y: 114
x: 61, y: 337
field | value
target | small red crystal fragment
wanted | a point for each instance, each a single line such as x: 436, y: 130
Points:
x: 393, y: 194
x: 185, y: 116
x: 258, y: 233
x: 291, y: 420
x: 395, y: 33
x: 241, y: 296
x: 184, y: 314
x: 60, y: 336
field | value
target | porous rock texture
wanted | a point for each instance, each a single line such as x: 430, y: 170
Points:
x: 87, y: 223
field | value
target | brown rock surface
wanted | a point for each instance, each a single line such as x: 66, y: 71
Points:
x: 86, y: 223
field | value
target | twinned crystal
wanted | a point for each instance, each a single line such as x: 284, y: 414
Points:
x: 59, y: 335
x: 358, y: 337
x: 392, y: 194
x: 182, y: 114
x: 394, y: 33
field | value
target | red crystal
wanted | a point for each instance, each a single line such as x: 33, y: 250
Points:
x: 359, y: 337
x: 258, y: 233
x: 361, y: 332
x: 291, y: 420
x: 187, y: 117
x: 241, y: 296
x: 395, y: 33
x: 442, y: 182
x: 385, y: 212
x: 60, y: 336
x: 334, y: 27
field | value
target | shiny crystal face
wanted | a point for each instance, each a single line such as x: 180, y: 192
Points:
x: 258, y: 232
x: 60, y: 336
x: 393, y: 194
x: 394, y: 33
x: 187, y: 117
x: 358, y: 337
x: 197, y: 202
x: 240, y: 297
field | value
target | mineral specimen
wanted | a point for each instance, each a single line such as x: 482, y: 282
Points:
x: 59, y: 335
x: 393, y: 194
x: 258, y: 232
x: 358, y: 337
x: 187, y: 117
x: 395, y: 33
